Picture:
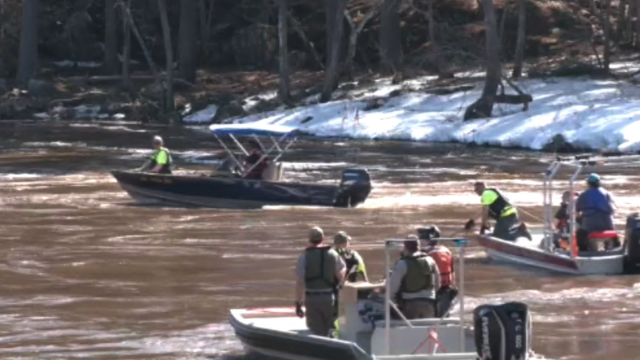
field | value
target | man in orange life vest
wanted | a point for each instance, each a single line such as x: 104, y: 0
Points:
x: 444, y: 260
x: 318, y: 273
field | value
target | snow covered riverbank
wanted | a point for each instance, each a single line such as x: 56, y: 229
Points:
x: 587, y: 113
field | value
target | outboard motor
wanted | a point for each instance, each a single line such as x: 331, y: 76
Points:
x: 502, y: 332
x: 355, y: 187
x: 632, y: 245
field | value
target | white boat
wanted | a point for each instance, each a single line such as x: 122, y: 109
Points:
x: 541, y: 252
x: 367, y: 331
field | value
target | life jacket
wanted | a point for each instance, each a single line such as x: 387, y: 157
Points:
x: 166, y: 168
x: 320, y: 268
x: 499, y: 205
x: 597, y: 202
x: 419, y: 274
x: 352, y: 264
x: 444, y: 260
x: 562, y: 215
x: 256, y: 172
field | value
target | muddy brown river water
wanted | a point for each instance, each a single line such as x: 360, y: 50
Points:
x: 85, y: 273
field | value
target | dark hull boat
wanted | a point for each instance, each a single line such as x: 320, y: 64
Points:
x: 230, y: 192
x: 233, y: 188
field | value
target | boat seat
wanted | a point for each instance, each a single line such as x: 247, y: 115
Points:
x: 602, y: 240
x: 600, y: 235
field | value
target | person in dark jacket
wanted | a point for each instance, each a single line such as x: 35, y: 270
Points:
x: 256, y: 162
x: 596, y: 208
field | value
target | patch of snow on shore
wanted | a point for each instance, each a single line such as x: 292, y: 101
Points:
x: 205, y: 115
x: 587, y: 113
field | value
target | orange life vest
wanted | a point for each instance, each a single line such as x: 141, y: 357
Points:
x: 444, y: 260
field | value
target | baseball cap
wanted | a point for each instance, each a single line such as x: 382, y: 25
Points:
x: 593, y: 178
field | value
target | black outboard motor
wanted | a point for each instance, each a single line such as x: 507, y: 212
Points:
x: 355, y: 187
x: 502, y: 332
x: 632, y: 245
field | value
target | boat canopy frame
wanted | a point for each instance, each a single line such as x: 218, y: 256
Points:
x: 281, y: 137
x: 579, y: 163
x: 396, y: 244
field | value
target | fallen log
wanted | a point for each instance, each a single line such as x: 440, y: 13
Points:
x: 114, y: 78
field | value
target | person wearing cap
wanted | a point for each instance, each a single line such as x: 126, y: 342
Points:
x: 355, y: 268
x: 497, y: 207
x: 596, y: 208
x: 160, y: 160
x: 256, y: 163
x: 414, y: 280
x: 319, y: 271
x: 443, y: 258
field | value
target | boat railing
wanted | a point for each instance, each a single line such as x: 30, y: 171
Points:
x: 578, y: 163
x: 279, y: 147
x: 393, y: 244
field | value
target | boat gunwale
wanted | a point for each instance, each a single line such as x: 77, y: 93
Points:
x: 307, y: 184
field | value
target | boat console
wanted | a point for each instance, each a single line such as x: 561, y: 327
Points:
x: 273, y: 172
x: 362, y: 320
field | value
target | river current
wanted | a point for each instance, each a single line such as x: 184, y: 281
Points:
x: 86, y: 273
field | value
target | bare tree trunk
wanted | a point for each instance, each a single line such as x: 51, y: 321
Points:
x: 126, y: 49
x: 621, y: 21
x: 355, y: 31
x: 606, y: 27
x: 332, y: 24
x: 206, y: 17
x: 126, y: 12
x: 435, y: 48
x: 483, y: 107
x: 307, y: 43
x: 28, y: 53
x: 390, y: 41
x: 503, y: 22
x: 169, y: 105
x: 637, y: 27
x: 188, y: 43
x: 519, y: 56
x: 333, y: 69
x: 283, y: 33
x: 110, y: 37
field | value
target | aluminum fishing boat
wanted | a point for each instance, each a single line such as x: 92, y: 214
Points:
x: 230, y: 187
x: 610, y: 252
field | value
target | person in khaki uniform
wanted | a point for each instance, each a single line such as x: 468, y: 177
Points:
x: 318, y: 273
x: 355, y: 268
x: 414, y: 280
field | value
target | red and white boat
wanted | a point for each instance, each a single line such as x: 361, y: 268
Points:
x: 541, y: 252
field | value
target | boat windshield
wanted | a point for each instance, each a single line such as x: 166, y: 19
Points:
x: 281, y: 137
